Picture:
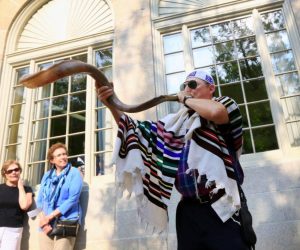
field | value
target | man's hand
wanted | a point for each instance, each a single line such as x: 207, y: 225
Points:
x: 104, y: 93
x: 182, y: 94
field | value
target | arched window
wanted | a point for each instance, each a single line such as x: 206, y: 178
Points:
x: 67, y: 110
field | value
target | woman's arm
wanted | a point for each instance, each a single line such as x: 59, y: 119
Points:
x: 75, y: 184
x: 25, y: 199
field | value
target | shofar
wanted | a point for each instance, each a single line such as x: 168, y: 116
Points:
x: 70, y: 67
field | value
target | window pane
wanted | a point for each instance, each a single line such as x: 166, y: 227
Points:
x: 233, y: 90
x: 244, y: 116
x: 174, y: 63
x: 76, y: 144
x: 57, y: 140
x: 42, y: 109
x: 17, y: 113
x: 172, y: 43
x: 251, y: 68
x: 203, y: 57
x: 174, y: 81
x: 21, y: 72
x: 260, y: 113
x: 58, y: 126
x: 38, y: 151
x: 104, y: 140
x: 19, y: 96
x: 103, y: 119
x: 278, y: 41
x: 294, y: 133
x: 246, y: 47
x: 77, y: 102
x: 103, y: 58
x: 78, y: 82
x: 77, y: 122
x: 59, y: 105
x: 265, y: 139
x: 40, y: 129
x: 15, y: 133
x: 108, y: 73
x: 36, y: 172
x: 13, y: 152
x: 82, y: 57
x: 228, y: 72
x: 60, y: 86
x: 103, y: 163
x: 247, y: 145
x: 222, y: 32
x: 288, y: 84
x: 273, y: 21
x: 45, y: 91
x: 224, y: 51
x: 283, y: 61
x: 292, y: 107
x: 255, y: 90
x: 243, y: 27
x: 200, y: 37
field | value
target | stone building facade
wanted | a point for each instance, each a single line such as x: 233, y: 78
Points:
x: 146, y: 47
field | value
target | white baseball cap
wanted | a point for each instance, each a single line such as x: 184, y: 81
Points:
x: 202, y: 75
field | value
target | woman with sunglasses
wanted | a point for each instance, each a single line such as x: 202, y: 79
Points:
x: 15, y: 199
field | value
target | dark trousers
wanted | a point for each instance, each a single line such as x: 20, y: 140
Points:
x: 199, y: 228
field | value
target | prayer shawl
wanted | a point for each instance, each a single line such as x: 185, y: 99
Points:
x: 147, y: 154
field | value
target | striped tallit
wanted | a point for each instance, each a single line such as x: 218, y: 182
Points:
x: 147, y: 155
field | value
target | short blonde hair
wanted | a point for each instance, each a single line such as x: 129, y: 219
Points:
x: 6, y: 165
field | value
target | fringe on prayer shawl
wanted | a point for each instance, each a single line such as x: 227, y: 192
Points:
x: 131, y: 167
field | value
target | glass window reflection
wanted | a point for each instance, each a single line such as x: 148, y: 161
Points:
x: 273, y: 21
x: 78, y: 102
x: 224, y: 51
x: 221, y: 32
x: 246, y: 47
x: 283, y: 61
x: 200, y: 37
x: 58, y: 126
x: 174, y: 63
x: 255, y: 90
x: 203, y: 56
x: 172, y: 43
x: 242, y: 27
x: 260, y: 113
x: 251, y: 68
x: 228, y: 72
x: 288, y: 84
x: 60, y: 86
x: 278, y: 41
x: 59, y: 105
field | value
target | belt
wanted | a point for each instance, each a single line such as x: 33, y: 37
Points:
x: 202, y: 199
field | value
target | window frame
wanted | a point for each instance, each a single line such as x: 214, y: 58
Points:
x: 183, y: 22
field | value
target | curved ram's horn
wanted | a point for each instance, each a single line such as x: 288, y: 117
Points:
x: 70, y: 67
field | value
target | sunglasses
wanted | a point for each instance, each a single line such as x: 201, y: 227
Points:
x: 12, y: 170
x: 191, y: 84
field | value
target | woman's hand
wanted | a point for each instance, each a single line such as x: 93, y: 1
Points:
x: 46, y: 229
